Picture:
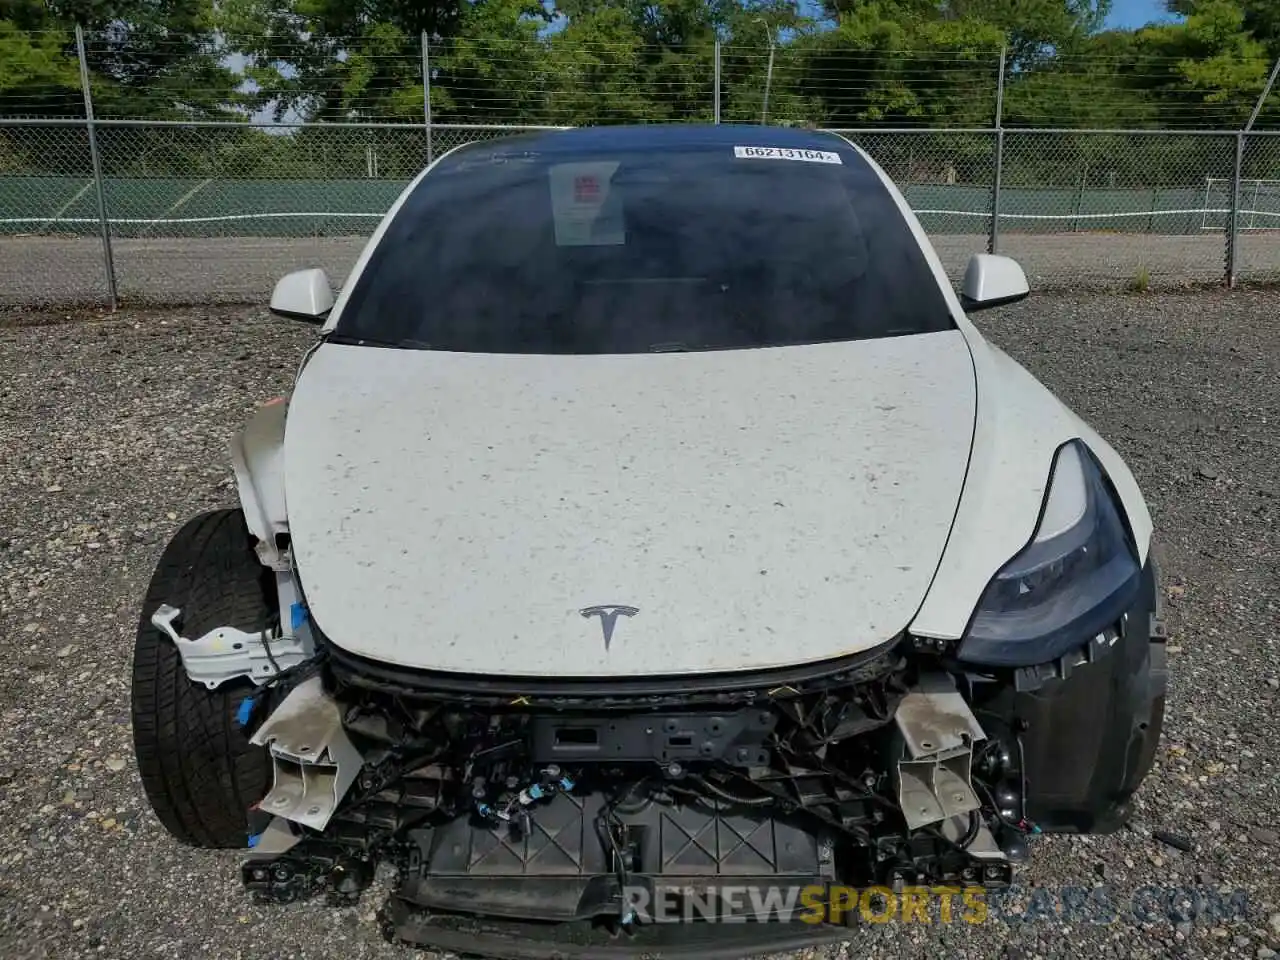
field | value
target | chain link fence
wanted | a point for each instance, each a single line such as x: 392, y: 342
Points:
x: 96, y: 206
x: 217, y: 212
x: 1125, y: 207
x: 947, y: 178
x: 1258, y: 230
x: 51, y: 251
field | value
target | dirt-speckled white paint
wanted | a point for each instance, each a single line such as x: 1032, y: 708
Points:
x: 760, y: 507
x: 1019, y: 426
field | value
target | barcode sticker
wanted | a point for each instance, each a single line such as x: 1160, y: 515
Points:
x: 786, y: 153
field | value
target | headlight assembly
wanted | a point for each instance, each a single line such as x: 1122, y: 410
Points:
x: 1074, y: 579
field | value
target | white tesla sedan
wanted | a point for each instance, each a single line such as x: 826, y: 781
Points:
x: 650, y: 514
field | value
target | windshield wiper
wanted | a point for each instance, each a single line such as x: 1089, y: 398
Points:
x: 673, y: 346
x: 352, y: 340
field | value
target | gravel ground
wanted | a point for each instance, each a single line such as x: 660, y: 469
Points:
x: 115, y: 430
x: 244, y: 269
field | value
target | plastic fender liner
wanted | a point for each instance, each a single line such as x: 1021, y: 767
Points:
x: 1091, y: 728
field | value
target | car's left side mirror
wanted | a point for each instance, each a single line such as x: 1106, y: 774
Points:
x: 992, y: 281
x: 303, y: 295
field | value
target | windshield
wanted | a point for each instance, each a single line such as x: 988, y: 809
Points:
x: 703, y: 247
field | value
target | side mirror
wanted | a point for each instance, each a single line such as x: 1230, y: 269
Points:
x: 303, y: 295
x: 992, y: 281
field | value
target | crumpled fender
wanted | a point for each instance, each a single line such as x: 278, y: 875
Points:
x: 257, y: 456
x: 1019, y: 426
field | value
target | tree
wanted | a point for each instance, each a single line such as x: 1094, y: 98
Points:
x: 495, y: 69
x: 894, y: 63
x: 653, y: 59
x: 1207, y: 71
x: 1260, y: 18
x: 336, y: 59
x: 1031, y: 28
x: 1036, y: 29
x: 1089, y: 86
x: 37, y: 78
x: 145, y: 60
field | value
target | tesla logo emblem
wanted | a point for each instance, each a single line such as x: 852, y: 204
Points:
x: 608, y: 614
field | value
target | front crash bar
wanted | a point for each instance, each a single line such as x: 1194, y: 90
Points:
x: 939, y: 731
x: 313, y: 761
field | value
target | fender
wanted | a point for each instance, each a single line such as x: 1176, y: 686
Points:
x: 257, y: 455
x: 1019, y: 426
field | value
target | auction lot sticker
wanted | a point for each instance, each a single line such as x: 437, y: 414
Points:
x: 786, y: 153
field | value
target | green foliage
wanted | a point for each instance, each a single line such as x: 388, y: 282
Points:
x: 860, y: 63
x: 35, y: 70
x: 1260, y: 18
x: 145, y: 59
x: 883, y: 66
x: 319, y: 59
x: 1036, y: 27
x: 1141, y: 281
x: 497, y: 65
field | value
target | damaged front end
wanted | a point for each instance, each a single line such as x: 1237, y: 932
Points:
x: 548, y: 819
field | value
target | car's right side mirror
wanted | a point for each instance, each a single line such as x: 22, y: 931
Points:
x: 992, y: 281
x: 303, y: 295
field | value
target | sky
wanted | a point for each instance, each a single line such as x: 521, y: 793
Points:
x: 1136, y: 13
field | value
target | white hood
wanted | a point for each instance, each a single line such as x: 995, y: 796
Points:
x: 760, y: 508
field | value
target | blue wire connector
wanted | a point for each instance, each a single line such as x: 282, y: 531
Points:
x: 297, y: 615
x: 253, y: 839
x: 245, y: 711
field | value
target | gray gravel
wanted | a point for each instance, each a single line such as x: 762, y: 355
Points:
x: 182, y: 270
x: 113, y: 431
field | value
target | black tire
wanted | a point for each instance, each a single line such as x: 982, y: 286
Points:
x: 199, y: 771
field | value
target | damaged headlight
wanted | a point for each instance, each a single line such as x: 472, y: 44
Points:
x: 1074, y: 579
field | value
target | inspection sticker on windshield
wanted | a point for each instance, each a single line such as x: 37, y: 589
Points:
x: 786, y: 153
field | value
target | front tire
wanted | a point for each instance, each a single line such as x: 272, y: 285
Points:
x: 200, y: 773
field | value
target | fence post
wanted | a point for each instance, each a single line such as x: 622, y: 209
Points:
x: 1266, y: 92
x: 426, y: 94
x: 1233, y: 221
x: 768, y: 82
x: 1233, y: 218
x: 108, y: 262
x: 993, y: 239
x: 1084, y: 182
x: 717, y: 105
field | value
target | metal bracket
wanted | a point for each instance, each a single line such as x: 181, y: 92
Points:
x: 1159, y: 632
x: 982, y: 847
x: 939, y: 731
x: 314, y: 762
x: 225, y: 653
